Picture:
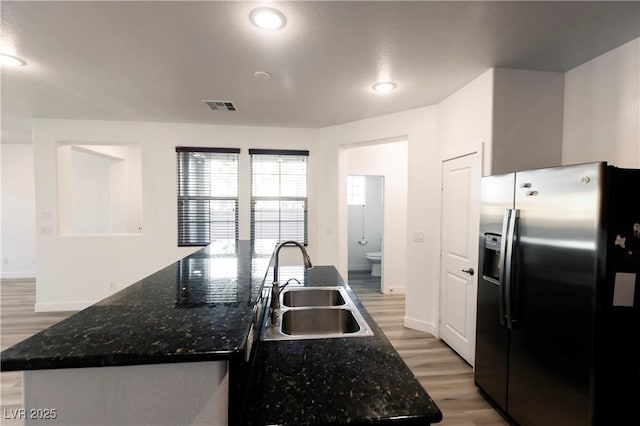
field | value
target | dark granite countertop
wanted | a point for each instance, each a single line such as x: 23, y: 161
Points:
x: 197, y: 309
x: 201, y: 308
x: 335, y: 381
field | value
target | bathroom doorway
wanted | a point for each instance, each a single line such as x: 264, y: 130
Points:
x: 365, y: 230
x: 387, y: 159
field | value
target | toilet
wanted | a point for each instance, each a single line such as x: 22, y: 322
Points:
x: 375, y: 258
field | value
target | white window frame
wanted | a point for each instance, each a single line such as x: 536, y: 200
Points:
x: 199, y: 225
x: 294, y: 183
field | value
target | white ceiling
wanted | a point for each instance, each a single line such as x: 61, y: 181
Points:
x: 156, y: 61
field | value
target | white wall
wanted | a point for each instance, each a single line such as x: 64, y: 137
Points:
x: 465, y: 125
x: 389, y: 160
x: 18, y: 212
x: 465, y: 120
x: 90, y: 192
x: 515, y: 115
x: 527, y: 120
x: 418, y: 128
x: 75, y: 271
x: 602, y: 109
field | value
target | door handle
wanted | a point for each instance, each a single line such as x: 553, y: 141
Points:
x: 469, y: 271
x: 503, y: 265
x: 509, y: 268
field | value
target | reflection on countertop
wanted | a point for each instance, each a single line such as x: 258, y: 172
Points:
x: 197, y: 309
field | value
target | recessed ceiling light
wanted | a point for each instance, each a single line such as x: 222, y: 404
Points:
x: 384, y: 86
x: 11, y: 60
x: 268, y: 18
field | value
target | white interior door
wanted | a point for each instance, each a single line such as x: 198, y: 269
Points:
x: 459, y: 253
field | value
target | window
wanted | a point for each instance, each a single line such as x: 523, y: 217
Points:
x: 207, y: 195
x: 279, y: 195
x: 356, y: 190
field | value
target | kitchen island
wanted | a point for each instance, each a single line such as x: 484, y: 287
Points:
x: 336, y: 380
x: 179, y: 347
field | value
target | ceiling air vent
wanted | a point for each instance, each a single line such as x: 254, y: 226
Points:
x: 220, y: 105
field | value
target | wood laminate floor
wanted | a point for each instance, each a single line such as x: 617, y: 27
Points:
x: 18, y: 320
x: 447, y: 378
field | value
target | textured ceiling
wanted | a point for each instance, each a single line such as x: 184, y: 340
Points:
x: 156, y: 61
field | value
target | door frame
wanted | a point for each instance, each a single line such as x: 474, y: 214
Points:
x: 452, y: 154
x: 387, y: 286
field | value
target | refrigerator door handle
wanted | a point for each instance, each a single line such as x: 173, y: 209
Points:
x: 502, y: 276
x: 510, y: 267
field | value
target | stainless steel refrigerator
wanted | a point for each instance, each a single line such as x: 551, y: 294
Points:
x: 558, y: 327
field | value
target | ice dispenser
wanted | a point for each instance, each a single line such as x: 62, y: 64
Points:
x: 491, y: 266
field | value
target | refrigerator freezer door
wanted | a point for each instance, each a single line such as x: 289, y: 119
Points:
x: 492, y: 343
x: 617, y: 349
x: 553, y: 299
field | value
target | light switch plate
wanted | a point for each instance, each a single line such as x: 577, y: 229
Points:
x: 418, y: 237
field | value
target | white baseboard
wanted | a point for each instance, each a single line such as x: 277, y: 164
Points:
x: 420, y: 325
x: 62, y: 306
x: 395, y: 290
x: 18, y: 275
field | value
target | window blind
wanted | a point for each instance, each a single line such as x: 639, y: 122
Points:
x: 207, y: 195
x: 279, y: 195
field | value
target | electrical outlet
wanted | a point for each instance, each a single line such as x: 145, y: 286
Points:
x: 5, y: 260
x: 418, y: 237
x: 112, y: 286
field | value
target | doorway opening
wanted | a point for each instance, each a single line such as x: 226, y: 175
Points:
x: 365, y: 230
x: 387, y: 159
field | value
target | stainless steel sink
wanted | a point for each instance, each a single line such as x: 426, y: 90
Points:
x: 320, y: 321
x: 305, y: 296
x: 316, y: 313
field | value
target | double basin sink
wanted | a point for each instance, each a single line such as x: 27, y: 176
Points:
x: 316, y: 313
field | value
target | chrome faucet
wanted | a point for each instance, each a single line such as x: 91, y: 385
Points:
x: 276, y: 289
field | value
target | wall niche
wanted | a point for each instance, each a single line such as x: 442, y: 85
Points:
x: 99, y: 189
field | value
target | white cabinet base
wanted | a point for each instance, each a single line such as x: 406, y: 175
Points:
x: 194, y: 393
